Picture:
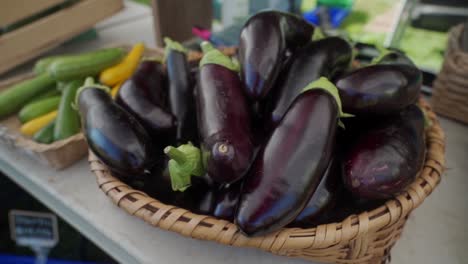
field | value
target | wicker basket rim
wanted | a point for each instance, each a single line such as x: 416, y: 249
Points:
x: 198, y: 226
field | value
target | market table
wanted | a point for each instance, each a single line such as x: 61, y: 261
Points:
x: 433, y: 234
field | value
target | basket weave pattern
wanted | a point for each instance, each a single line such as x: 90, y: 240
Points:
x: 451, y: 86
x: 364, y: 238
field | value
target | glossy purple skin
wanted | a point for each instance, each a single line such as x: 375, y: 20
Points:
x: 181, y: 98
x: 324, y: 197
x: 289, y: 167
x: 396, y: 58
x: 114, y: 135
x: 226, y: 201
x: 151, y: 78
x: 380, y: 89
x: 325, y: 58
x: 153, y: 117
x: 264, y: 42
x: 384, y: 160
x: 224, y: 123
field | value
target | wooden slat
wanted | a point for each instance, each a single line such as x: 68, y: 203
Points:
x: 12, y: 11
x: 27, y: 42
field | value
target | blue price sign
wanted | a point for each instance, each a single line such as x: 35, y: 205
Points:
x: 33, y: 229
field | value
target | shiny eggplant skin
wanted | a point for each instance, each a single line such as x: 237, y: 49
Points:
x: 181, y: 98
x: 151, y: 77
x: 383, y: 160
x: 265, y: 40
x: 290, y: 165
x: 325, y: 57
x: 324, y: 197
x: 380, y: 89
x: 136, y: 96
x: 227, y: 198
x: 395, y: 57
x: 113, y: 134
x: 224, y: 123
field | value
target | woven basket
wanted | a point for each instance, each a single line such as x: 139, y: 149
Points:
x: 450, y: 96
x: 364, y: 238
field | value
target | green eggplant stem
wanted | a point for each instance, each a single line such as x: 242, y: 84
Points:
x: 324, y: 84
x: 172, y: 45
x: 175, y: 154
x: 186, y: 161
x: 89, y: 83
x: 214, y: 56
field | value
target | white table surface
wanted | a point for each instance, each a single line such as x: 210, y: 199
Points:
x: 435, y: 232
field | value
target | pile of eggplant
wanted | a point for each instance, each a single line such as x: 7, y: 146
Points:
x: 287, y: 134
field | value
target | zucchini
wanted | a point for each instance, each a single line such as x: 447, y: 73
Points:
x: 81, y: 66
x: 68, y: 120
x: 12, y: 99
x: 46, y: 134
x: 48, y: 94
x: 38, y: 108
x: 41, y: 65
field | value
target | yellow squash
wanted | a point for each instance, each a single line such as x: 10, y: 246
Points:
x: 116, y: 89
x: 122, y: 71
x: 31, y: 127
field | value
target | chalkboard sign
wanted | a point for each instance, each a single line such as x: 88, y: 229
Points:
x: 33, y: 229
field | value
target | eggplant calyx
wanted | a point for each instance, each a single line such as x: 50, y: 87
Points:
x: 154, y: 59
x: 172, y: 45
x: 383, y: 53
x: 185, y: 162
x: 214, y: 56
x: 89, y: 83
x: 324, y: 84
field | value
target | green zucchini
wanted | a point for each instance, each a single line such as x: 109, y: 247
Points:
x: 41, y: 65
x: 48, y: 94
x: 13, y: 98
x: 81, y: 66
x: 68, y: 120
x: 46, y: 134
x: 38, y: 108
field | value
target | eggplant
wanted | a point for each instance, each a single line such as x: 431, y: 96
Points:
x: 112, y: 133
x: 143, y: 96
x: 394, y: 57
x: 324, y: 198
x: 325, y: 57
x: 181, y: 99
x: 380, y: 89
x: 384, y: 159
x: 199, y: 198
x: 223, y: 118
x: 289, y: 167
x: 227, y: 198
x: 266, y: 39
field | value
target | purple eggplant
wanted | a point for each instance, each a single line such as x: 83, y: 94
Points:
x: 290, y: 165
x: 143, y: 97
x: 265, y: 40
x: 394, y: 57
x: 324, y: 197
x: 384, y: 159
x: 380, y: 89
x: 112, y: 133
x: 227, y: 198
x: 181, y: 98
x: 223, y: 118
x: 325, y: 57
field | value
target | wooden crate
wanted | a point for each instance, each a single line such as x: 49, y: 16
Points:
x: 29, y: 41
